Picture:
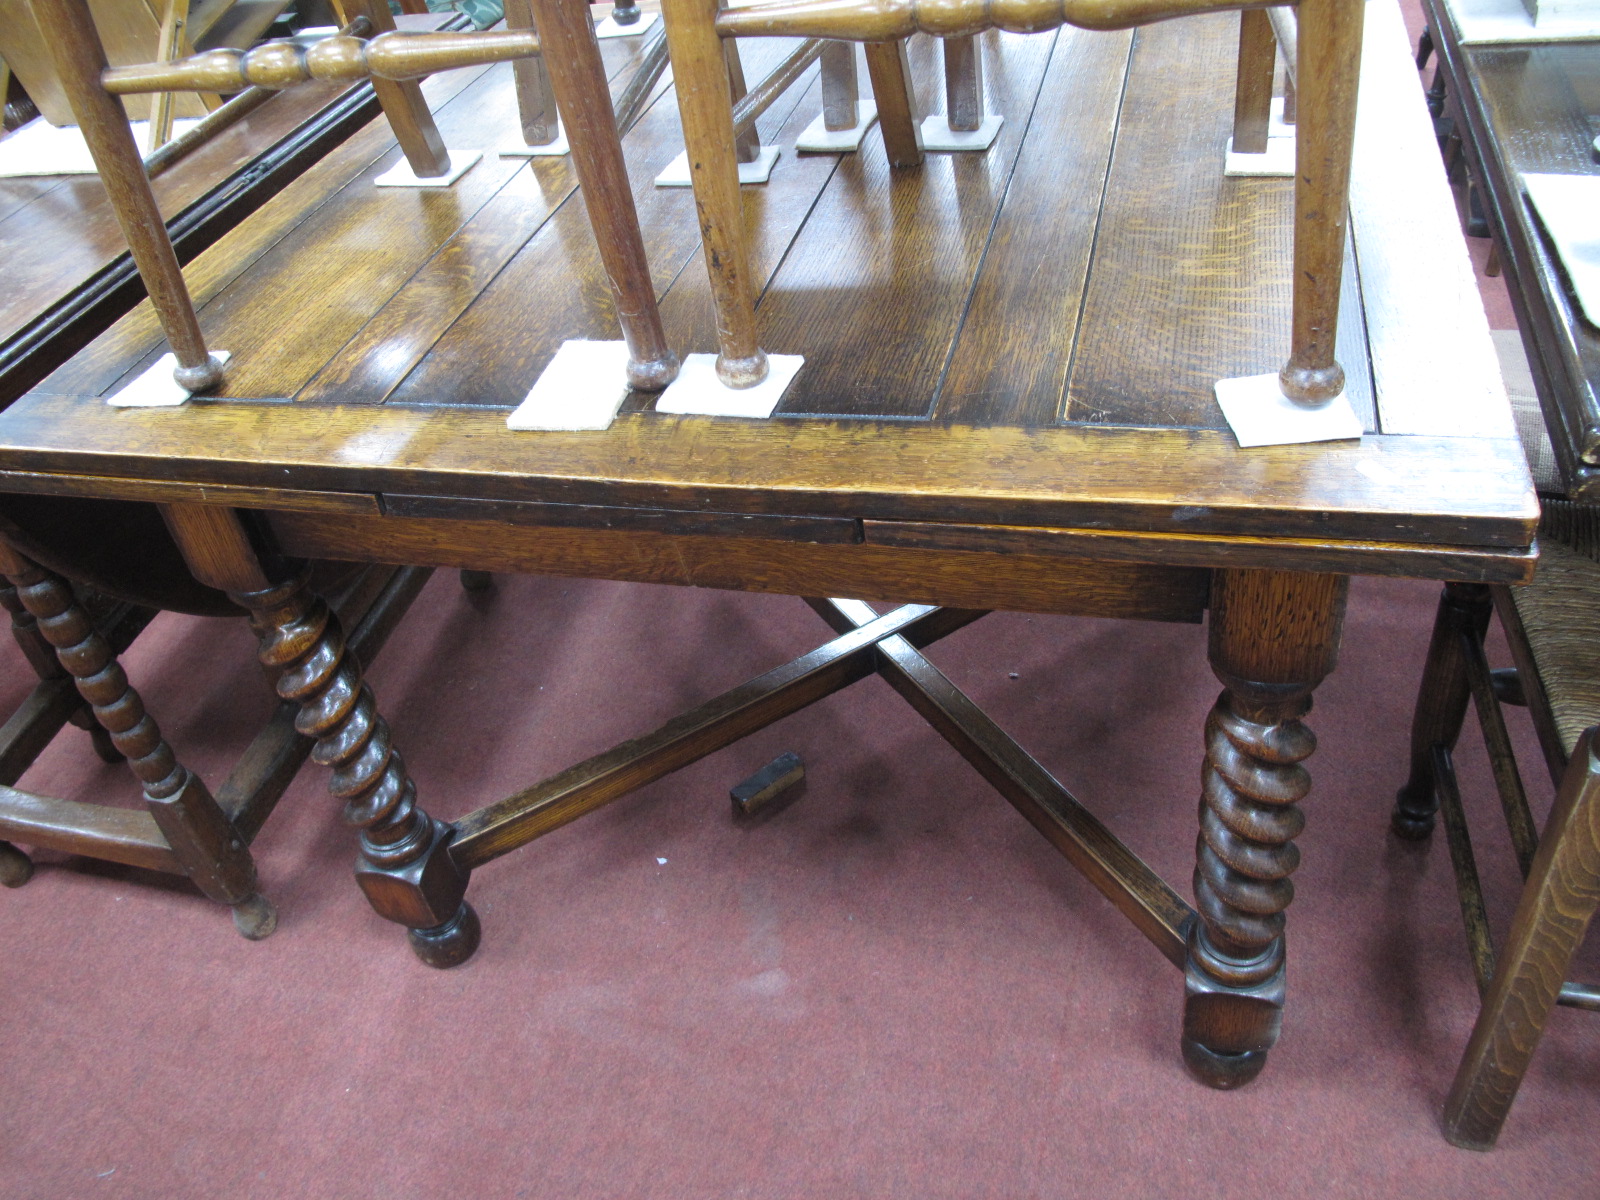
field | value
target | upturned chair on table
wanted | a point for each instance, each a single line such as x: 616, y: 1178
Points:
x: 1325, y: 62
x: 565, y: 45
x: 1553, y: 628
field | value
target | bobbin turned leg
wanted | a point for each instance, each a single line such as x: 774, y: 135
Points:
x: 404, y: 867
x: 196, y: 828
x: 1442, y: 699
x: 1273, y: 636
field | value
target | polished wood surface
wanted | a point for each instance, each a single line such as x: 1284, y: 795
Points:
x: 1038, y: 431
x: 1523, y: 109
x: 1006, y: 402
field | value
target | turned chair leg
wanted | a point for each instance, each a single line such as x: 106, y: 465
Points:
x: 197, y: 830
x: 79, y: 59
x: 1557, y: 905
x: 1273, y: 637
x: 1329, y: 52
x: 1442, y: 699
x: 701, y: 71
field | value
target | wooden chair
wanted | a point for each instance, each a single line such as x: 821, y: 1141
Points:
x: 394, y: 61
x: 1329, y: 43
x: 1553, y: 627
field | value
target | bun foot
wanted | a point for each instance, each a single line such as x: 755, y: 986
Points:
x: 1412, y: 819
x: 450, y: 944
x: 1222, y: 1071
x: 476, y: 581
x: 254, y: 917
x: 16, y: 868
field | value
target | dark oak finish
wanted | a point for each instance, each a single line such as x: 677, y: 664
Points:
x: 980, y: 423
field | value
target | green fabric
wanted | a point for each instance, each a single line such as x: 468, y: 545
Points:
x: 483, y: 13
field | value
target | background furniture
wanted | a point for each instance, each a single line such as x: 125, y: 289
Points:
x: 1530, y: 108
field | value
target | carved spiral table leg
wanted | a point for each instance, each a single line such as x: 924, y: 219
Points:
x: 41, y: 657
x: 1273, y: 637
x: 405, y: 867
x: 1442, y: 699
x: 198, y: 831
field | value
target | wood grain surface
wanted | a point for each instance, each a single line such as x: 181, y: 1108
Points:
x: 1011, y: 344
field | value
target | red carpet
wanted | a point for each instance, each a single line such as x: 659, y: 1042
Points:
x: 893, y: 988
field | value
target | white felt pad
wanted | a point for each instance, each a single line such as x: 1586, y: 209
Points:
x: 819, y: 138
x: 39, y: 148
x: 156, y: 388
x: 582, y: 388
x: 1278, y: 159
x: 677, y: 171
x: 1261, y: 415
x: 937, y: 134
x: 608, y: 28
x: 550, y: 149
x: 400, y: 175
x: 1569, y: 208
x: 698, y: 392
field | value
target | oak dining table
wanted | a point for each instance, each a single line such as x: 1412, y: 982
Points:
x: 1006, y: 403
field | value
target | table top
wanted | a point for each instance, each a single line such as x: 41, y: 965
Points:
x: 1531, y: 108
x: 1000, y: 347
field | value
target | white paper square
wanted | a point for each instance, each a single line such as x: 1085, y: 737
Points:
x: 582, y: 388
x: 401, y: 175
x: 676, y: 173
x: 698, y: 392
x: 39, y: 148
x: 1276, y: 161
x: 937, y: 134
x: 1261, y: 415
x: 818, y: 138
x: 1569, y: 208
x: 608, y: 28
x: 155, y: 387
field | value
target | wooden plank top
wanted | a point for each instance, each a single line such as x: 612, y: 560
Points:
x: 1530, y: 108
x: 1022, y: 339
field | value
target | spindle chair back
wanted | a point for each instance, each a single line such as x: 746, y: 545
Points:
x: 394, y: 61
x: 1328, y: 52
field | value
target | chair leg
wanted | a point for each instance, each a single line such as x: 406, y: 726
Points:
x: 701, y: 72
x: 899, y: 116
x: 1252, y: 91
x: 199, y: 833
x: 1552, y: 917
x: 1442, y: 699
x: 1329, y: 50
x: 578, y: 78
